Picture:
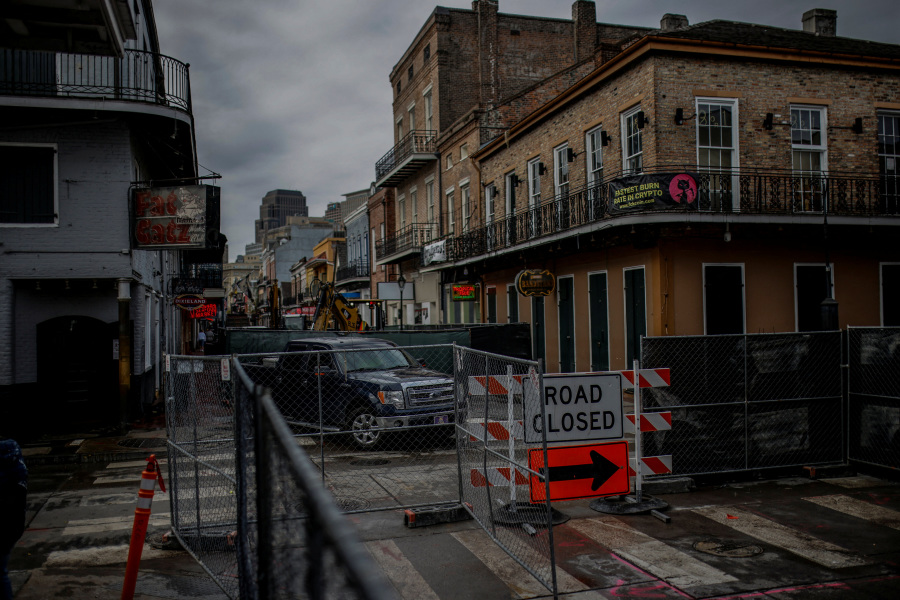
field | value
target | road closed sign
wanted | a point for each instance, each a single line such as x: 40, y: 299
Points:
x: 577, y: 408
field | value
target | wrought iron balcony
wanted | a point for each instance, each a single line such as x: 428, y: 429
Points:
x: 356, y: 270
x: 405, y: 242
x: 408, y: 156
x: 138, y: 76
x: 208, y: 274
x: 744, y: 192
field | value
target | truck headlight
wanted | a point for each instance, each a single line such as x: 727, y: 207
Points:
x: 392, y: 398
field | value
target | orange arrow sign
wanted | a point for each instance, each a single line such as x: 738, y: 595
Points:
x: 580, y: 471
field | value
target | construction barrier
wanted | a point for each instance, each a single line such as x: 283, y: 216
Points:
x: 149, y: 477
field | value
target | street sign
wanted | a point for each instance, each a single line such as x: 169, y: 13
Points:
x: 586, y: 471
x: 583, y: 407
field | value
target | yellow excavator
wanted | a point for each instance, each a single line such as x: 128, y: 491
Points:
x: 334, y: 312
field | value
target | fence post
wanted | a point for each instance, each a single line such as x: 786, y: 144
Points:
x: 455, y: 358
x: 638, y: 474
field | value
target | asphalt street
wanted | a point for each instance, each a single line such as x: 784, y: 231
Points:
x: 795, y: 537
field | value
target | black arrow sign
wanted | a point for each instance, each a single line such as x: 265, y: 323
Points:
x: 600, y: 469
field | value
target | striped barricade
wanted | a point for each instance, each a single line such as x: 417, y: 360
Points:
x: 652, y: 465
x: 655, y: 421
x: 498, y: 476
x: 647, y: 378
x: 496, y: 431
x: 495, y: 385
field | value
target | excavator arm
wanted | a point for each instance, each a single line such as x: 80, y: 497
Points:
x: 333, y: 308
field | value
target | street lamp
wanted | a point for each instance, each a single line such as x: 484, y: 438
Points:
x: 401, y: 283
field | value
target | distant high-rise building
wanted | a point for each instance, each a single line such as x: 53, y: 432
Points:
x: 276, y: 207
x: 333, y: 214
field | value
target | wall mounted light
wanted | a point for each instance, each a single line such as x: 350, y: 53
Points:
x: 767, y: 122
x: 680, y: 118
x: 541, y: 168
x: 604, y: 138
x: 641, y: 119
x: 514, y: 180
x: 496, y: 192
x: 857, y: 125
x: 727, y: 236
x: 571, y: 154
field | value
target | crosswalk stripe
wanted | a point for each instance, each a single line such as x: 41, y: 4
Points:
x: 403, y: 575
x: 879, y: 515
x: 671, y: 565
x: 508, y: 570
x: 799, y: 543
x: 134, y: 464
x: 859, y: 481
x: 87, y: 526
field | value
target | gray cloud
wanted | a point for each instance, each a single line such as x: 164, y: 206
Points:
x: 295, y: 94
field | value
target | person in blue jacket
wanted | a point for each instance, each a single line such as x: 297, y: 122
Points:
x: 13, y: 487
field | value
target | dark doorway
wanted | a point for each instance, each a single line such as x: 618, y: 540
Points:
x: 77, y: 371
x: 812, y: 288
x: 723, y: 299
x: 566, y: 325
x: 492, y: 305
x: 890, y: 295
x: 512, y: 302
x: 635, y: 314
x: 599, y: 310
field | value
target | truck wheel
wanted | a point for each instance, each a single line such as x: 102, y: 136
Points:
x: 364, y: 429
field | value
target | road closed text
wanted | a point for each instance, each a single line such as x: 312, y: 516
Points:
x: 578, y: 407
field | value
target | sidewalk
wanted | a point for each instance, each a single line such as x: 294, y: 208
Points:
x: 144, y: 437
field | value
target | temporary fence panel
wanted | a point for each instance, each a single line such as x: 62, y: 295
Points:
x: 495, y: 394
x: 306, y: 549
x: 377, y: 421
x: 201, y: 457
x: 741, y: 402
x: 874, y: 395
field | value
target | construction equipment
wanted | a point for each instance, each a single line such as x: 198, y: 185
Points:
x: 333, y: 311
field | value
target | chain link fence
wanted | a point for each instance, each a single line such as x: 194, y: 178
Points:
x: 743, y: 402
x: 874, y: 395
x: 201, y: 457
x: 376, y: 420
x: 502, y: 480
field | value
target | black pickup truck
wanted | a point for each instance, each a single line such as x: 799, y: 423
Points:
x: 365, y: 386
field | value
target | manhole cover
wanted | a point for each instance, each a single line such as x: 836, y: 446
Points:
x: 369, y: 462
x: 348, y: 504
x: 728, y: 550
x: 142, y: 443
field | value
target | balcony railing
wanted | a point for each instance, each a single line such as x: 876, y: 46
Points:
x: 209, y: 274
x: 410, y: 238
x: 354, y: 270
x: 416, y: 142
x: 744, y: 192
x: 138, y: 77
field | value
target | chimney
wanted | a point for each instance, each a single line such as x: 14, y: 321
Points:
x: 486, y: 12
x: 820, y: 21
x: 671, y: 22
x: 584, y: 17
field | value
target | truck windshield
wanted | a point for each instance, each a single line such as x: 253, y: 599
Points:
x: 378, y: 360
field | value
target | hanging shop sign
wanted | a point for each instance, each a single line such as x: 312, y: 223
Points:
x: 204, y: 311
x: 189, y: 302
x: 462, y: 293
x: 658, y: 191
x: 182, y: 285
x: 175, y: 217
x: 535, y: 282
x: 434, y: 253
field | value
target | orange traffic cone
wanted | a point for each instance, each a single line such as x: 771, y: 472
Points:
x: 141, y: 519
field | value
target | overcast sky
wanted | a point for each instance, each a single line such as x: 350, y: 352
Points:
x: 294, y: 94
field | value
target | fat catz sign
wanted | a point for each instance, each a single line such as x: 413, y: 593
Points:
x: 173, y: 217
x: 661, y: 191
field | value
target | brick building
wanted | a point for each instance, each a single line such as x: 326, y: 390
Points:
x: 467, y: 75
x: 716, y: 178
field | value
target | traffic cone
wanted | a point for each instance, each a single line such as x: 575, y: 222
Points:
x: 141, y: 519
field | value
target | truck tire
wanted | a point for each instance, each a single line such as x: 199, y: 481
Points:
x: 363, y: 427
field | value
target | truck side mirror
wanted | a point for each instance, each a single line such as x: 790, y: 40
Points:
x: 421, y: 362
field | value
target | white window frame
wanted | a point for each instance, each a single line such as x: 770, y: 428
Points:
x: 821, y: 149
x: 429, y: 204
x: 399, y: 128
x: 411, y: 113
x: 463, y: 152
x: 401, y: 205
x: 734, y: 105
x: 451, y: 219
x: 465, y: 198
x: 489, y: 207
x: 630, y: 117
x: 414, y: 203
x: 561, y: 170
x: 55, y: 222
x: 890, y: 170
x: 593, y: 145
x: 429, y: 108
x: 534, y: 193
x: 743, y: 290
